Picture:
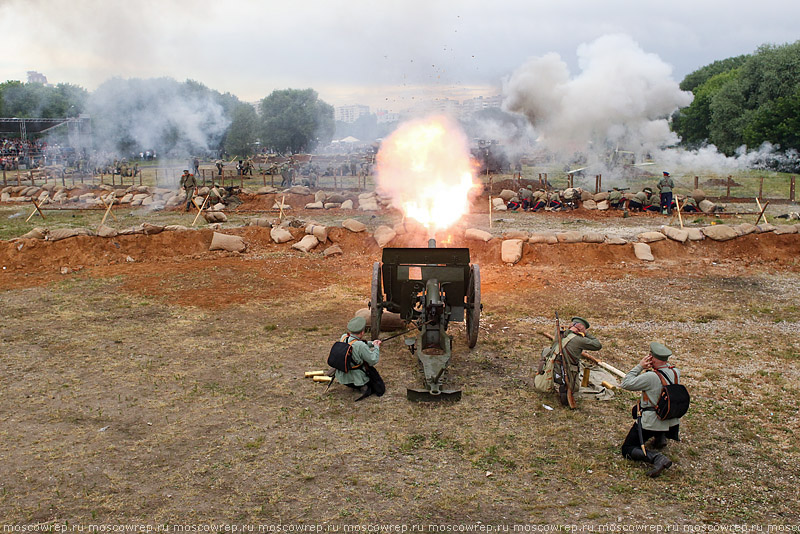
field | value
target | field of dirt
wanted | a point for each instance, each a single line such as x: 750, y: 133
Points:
x: 146, y: 379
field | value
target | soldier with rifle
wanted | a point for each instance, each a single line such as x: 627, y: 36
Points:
x: 189, y: 185
x: 565, y: 353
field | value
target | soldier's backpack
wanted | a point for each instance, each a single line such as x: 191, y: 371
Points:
x: 673, y: 402
x: 543, y: 381
x: 341, y: 356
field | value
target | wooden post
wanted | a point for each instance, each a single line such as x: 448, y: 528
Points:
x: 156, y: 177
x: 5, y: 181
x: 599, y: 183
x: 223, y: 179
x: 791, y: 188
x: 697, y: 182
x: 242, y: 181
x: 265, y: 178
x: 204, y: 177
x: 728, y: 188
x: 761, y: 188
x: 271, y: 180
x: 490, y: 211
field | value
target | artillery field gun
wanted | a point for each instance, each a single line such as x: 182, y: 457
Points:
x: 428, y: 287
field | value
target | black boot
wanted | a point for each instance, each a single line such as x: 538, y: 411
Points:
x: 659, y: 442
x: 562, y: 395
x: 660, y: 463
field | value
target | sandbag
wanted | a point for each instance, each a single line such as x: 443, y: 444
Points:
x: 150, y: 229
x: 602, y: 205
x: 280, y: 235
x: 334, y: 250
x: 368, y: 205
x: 175, y: 228
x: 318, y: 231
x: 599, y: 197
x: 643, y: 252
x: 706, y: 206
x: 785, y: 229
x: 307, y: 244
x: 336, y: 198
x: 65, y: 233
x: 215, y: 217
x: 347, y: 205
x: 695, y: 234
x: 650, y: 237
x: 745, y: 229
x: 765, y: 227
x: 474, y: 234
x: 614, y: 240
x: 543, y: 237
x: 36, y: 233
x: 511, y: 251
x: 719, y: 232
x: 498, y: 204
x: 569, y: 237
x: 515, y: 234
x: 354, y: 225
x: 589, y: 204
x: 676, y: 234
x: 383, y: 235
x: 261, y: 221
x: 593, y: 237
x: 231, y: 243
x: 698, y: 195
x: 315, y: 206
x: 106, y: 231
x: 507, y: 195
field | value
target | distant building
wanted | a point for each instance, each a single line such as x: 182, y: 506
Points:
x: 350, y: 114
x: 36, y: 77
x: 385, y: 116
x: 473, y: 105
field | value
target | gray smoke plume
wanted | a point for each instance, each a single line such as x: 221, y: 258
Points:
x: 172, y: 118
x: 621, y: 100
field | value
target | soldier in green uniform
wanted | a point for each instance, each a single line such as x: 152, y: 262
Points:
x: 690, y: 205
x: 665, y: 186
x: 189, y: 185
x: 526, y: 197
x: 652, y: 427
x: 363, y: 352
x: 615, y: 199
x: 574, y: 340
x: 653, y: 202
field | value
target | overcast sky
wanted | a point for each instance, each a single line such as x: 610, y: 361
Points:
x: 376, y: 52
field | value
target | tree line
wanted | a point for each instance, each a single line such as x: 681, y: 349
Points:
x: 747, y: 101
x: 131, y: 115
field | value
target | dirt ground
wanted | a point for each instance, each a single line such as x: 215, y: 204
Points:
x: 161, y: 383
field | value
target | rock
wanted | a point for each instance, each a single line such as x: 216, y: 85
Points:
x: 706, y: 206
x: 650, y: 237
x: 231, y: 243
x: 695, y: 234
x: 516, y: 234
x: 266, y: 190
x: 498, y: 204
x: 615, y: 241
x: 384, y: 235
x: 569, y: 237
x: 320, y: 196
x: 543, y: 237
x: 511, y: 251
x: 280, y: 235
x: 298, y: 190
x: 507, y: 195
x: 593, y: 237
x: 354, y: 225
x: 334, y: 250
x: 315, y: 206
x: 368, y: 205
x: 150, y: 229
x: 36, y: 233
x: 642, y: 251
x: 332, y: 205
x: 745, y: 229
x: 318, y: 231
x: 474, y: 234
x: 215, y: 217
x: 602, y: 205
x: 336, y: 197
x: 65, y: 233
x: 261, y: 221
x: 719, y: 232
x: 347, y: 205
x: 306, y: 244
x: 106, y: 231
x: 676, y: 234
x: 589, y: 204
x: 785, y: 229
x: 699, y: 195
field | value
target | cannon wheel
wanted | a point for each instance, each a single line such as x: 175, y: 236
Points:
x: 376, y: 311
x: 473, y: 305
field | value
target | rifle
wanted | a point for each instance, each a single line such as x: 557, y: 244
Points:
x: 565, y: 374
x: 619, y: 189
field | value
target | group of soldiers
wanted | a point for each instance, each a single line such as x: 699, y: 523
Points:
x: 560, y: 370
x: 225, y: 195
x: 660, y: 201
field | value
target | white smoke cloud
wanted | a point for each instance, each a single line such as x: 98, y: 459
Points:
x: 621, y: 99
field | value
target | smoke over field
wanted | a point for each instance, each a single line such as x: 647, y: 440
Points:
x: 175, y: 118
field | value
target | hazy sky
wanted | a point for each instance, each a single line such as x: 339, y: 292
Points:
x: 375, y: 52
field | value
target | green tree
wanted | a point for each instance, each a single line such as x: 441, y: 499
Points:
x: 295, y: 120
x: 702, y: 75
x: 692, y: 123
x: 243, y: 131
x: 777, y: 122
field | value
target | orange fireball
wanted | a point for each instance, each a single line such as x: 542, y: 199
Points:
x: 425, y: 167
